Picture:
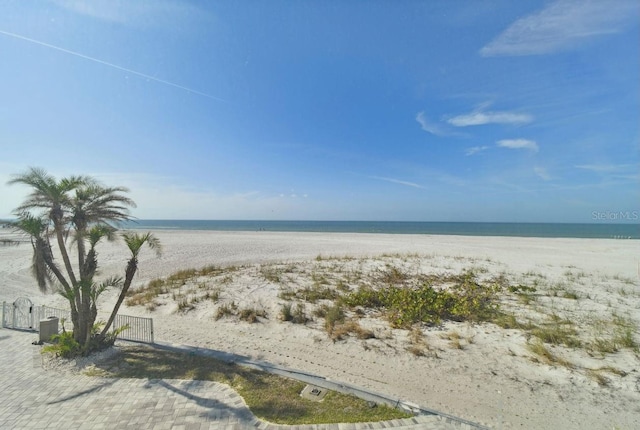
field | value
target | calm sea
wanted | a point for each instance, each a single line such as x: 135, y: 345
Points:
x: 600, y: 230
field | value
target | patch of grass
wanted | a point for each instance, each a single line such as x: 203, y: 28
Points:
x: 545, y: 355
x: 226, y: 309
x: 418, y: 344
x: 611, y: 369
x: 319, y: 279
x: 509, y: 321
x: 310, y: 294
x: 333, y: 316
x: 185, y: 305
x: 526, y: 299
x: 520, y: 289
x: 350, y: 327
x: 251, y: 314
x: 343, y: 286
x: 296, y: 315
x: 226, y: 280
x: 624, y: 331
x: 571, y: 295
x: 213, y: 295
x: 393, y: 276
x: 272, y: 274
x: 602, y: 346
x: 147, y: 294
x: 612, y: 335
x: 454, y: 340
x: 624, y: 279
x: 624, y: 338
x: 557, y: 332
x: 270, y: 397
x: 597, y: 376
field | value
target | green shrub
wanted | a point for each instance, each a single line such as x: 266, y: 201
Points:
x: 295, y: 315
x: 64, y: 345
x: 466, y: 300
x: 334, y: 315
x: 286, y: 313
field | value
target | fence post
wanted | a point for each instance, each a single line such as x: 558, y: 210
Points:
x: 151, y: 324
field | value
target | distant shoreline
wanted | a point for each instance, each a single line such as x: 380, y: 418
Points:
x: 542, y: 230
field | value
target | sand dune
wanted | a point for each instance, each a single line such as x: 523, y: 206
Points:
x: 480, y: 372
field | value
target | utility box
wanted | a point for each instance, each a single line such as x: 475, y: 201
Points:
x: 48, y: 328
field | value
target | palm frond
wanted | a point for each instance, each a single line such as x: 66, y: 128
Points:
x: 98, y: 289
x: 135, y: 241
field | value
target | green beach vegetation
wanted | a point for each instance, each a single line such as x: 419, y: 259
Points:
x: 342, y: 296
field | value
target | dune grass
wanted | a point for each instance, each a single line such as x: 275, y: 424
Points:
x: 333, y: 293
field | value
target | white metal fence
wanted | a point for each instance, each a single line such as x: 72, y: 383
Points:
x: 24, y: 316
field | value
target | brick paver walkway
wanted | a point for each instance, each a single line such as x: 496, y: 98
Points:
x: 32, y: 398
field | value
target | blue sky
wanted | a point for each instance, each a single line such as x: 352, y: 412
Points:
x: 381, y: 110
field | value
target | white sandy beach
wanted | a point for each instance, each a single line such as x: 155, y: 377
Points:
x: 491, y: 376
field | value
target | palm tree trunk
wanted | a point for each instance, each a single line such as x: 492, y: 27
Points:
x: 132, y: 267
x: 58, y: 227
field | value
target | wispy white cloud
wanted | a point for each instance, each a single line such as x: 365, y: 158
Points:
x: 542, y: 173
x: 605, y: 168
x: 475, y: 149
x: 429, y: 126
x: 562, y: 25
x: 397, y: 181
x: 156, y: 13
x: 518, y: 144
x: 480, y: 117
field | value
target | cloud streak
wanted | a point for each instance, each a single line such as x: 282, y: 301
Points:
x: 428, y: 126
x: 114, y: 66
x: 542, y: 173
x: 156, y: 13
x: 397, y: 181
x: 605, y: 168
x: 561, y: 26
x: 518, y: 144
x: 482, y: 118
x: 475, y: 149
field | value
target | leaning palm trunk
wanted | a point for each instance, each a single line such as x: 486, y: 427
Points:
x: 132, y: 267
x: 135, y: 243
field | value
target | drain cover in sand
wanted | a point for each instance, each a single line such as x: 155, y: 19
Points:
x: 311, y: 392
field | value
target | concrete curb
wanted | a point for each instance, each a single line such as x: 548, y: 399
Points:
x: 319, y: 381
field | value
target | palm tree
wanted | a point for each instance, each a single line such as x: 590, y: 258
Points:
x: 83, y: 208
x: 96, y: 205
x: 51, y: 197
x: 134, y: 242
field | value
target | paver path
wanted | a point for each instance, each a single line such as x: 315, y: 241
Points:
x: 32, y: 398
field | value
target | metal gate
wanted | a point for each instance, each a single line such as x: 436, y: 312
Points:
x: 22, y: 314
x: 19, y: 314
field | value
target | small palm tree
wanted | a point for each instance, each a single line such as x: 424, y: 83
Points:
x: 80, y: 207
x: 134, y: 242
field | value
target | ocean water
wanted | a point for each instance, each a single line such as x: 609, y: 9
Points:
x: 594, y: 230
